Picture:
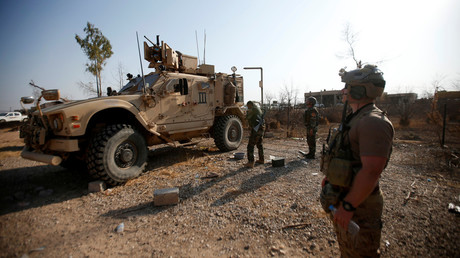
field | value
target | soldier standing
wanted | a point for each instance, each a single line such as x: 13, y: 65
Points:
x: 257, y: 127
x: 311, y: 119
x: 353, y: 161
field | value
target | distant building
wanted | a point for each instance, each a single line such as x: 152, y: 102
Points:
x: 399, y: 98
x: 327, y: 98
x: 448, y: 95
x: 331, y: 98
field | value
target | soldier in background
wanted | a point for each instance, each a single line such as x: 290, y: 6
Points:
x: 311, y: 119
x: 257, y: 127
x: 353, y: 161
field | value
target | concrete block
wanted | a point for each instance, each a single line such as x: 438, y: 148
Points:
x: 166, y: 196
x: 96, y: 186
x: 278, y: 162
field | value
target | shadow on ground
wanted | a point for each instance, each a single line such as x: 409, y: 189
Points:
x: 271, y: 174
x: 29, y: 187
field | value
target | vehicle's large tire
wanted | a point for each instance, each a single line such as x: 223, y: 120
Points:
x: 228, y: 133
x: 116, y: 154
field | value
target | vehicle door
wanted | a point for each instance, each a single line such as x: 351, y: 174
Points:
x: 174, y: 103
x: 10, y: 117
x: 17, y: 116
x: 202, y: 95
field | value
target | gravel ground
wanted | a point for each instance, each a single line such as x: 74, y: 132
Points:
x: 224, y: 210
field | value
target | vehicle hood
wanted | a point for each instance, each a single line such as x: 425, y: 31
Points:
x: 92, y: 101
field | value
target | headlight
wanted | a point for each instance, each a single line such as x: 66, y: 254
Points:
x: 57, y: 122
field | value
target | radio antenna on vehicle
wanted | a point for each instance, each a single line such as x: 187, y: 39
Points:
x: 204, y: 50
x: 140, y: 60
x: 197, y: 48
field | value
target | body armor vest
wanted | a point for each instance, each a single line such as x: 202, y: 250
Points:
x: 337, y: 161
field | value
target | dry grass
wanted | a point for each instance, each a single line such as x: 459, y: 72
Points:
x: 10, y: 143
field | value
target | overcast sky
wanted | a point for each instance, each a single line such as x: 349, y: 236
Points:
x: 298, y: 43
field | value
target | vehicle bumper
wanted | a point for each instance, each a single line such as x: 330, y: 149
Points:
x: 45, y: 158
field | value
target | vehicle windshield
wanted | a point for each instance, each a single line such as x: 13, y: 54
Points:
x: 136, y: 84
x: 3, y: 114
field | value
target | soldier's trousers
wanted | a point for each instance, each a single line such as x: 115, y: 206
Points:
x: 255, y: 139
x: 311, y: 140
x: 369, y: 218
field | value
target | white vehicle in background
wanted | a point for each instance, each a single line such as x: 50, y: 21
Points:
x: 12, y: 117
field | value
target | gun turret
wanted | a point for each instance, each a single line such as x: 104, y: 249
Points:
x: 163, y: 57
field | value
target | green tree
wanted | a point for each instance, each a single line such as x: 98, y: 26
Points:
x: 98, y: 49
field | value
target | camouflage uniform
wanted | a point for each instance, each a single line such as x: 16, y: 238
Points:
x: 256, y: 138
x: 311, y: 119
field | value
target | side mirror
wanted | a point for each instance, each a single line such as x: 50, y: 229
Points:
x: 27, y: 100
x: 51, y: 95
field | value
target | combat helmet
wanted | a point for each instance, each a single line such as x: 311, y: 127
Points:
x: 312, y: 100
x: 367, y: 81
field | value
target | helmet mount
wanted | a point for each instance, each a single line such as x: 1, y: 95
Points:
x: 364, y: 82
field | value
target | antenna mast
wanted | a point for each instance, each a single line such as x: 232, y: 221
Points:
x: 204, y: 50
x: 140, y: 60
x: 197, y: 48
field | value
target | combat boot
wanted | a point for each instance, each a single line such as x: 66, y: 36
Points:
x: 250, y: 164
x: 261, y: 160
x: 310, y: 155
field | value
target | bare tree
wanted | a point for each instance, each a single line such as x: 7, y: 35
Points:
x: 350, y: 37
x: 282, y: 98
x: 120, y: 76
x: 88, y: 88
x: 434, y: 116
x: 268, y: 98
x: 456, y: 83
x: 290, y: 93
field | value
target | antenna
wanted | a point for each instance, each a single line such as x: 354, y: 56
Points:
x: 204, y: 50
x: 197, y: 48
x: 140, y: 60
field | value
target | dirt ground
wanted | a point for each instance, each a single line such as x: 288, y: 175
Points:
x: 224, y: 209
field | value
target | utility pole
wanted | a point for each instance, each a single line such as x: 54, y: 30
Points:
x: 261, y: 83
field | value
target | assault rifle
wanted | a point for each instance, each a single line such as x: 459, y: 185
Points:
x: 341, y: 128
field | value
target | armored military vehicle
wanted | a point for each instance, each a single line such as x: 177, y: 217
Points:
x: 179, y: 101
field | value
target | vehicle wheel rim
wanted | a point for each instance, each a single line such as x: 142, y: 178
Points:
x: 125, y: 155
x: 233, y: 133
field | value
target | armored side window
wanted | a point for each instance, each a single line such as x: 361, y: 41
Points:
x: 172, y: 85
x: 177, y: 85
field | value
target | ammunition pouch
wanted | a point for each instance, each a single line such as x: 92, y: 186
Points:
x: 337, y: 163
x: 330, y: 195
x: 340, y: 172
